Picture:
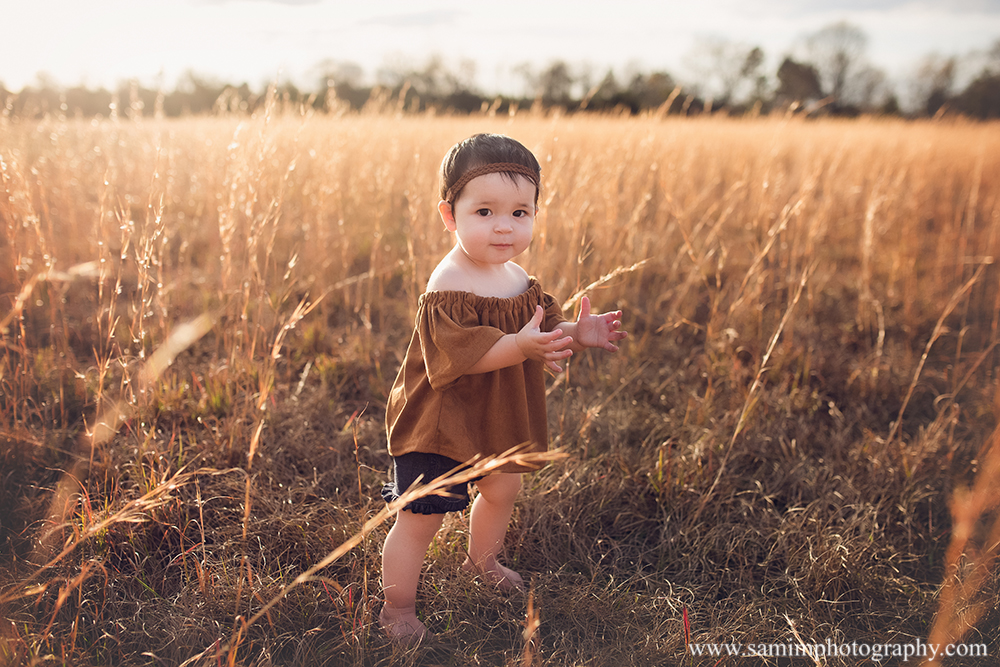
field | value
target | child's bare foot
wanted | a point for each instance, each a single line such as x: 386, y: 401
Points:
x: 402, y: 625
x: 494, y: 573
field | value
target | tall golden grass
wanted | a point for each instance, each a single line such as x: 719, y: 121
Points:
x: 200, y: 320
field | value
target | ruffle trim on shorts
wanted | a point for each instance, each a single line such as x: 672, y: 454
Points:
x: 428, y: 504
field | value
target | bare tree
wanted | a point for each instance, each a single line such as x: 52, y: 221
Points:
x: 869, y: 88
x: 751, y: 73
x: 797, y: 82
x: 556, y: 83
x: 934, y: 83
x: 993, y: 62
x: 342, y: 72
x: 981, y: 98
x: 835, y: 51
x: 553, y: 85
x: 601, y: 94
x: 722, y: 67
x: 434, y: 80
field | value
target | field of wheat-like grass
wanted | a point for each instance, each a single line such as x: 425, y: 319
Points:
x: 200, y: 320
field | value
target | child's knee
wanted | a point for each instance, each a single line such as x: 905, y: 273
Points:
x: 500, y: 487
x: 419, y: 526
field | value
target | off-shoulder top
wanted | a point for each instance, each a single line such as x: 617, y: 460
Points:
x: 435, y: 407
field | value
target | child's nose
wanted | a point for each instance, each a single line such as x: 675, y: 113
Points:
x: 503, y: 223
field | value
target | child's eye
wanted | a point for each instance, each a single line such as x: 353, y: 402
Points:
x: 520, y: 214
x: 483, y: 212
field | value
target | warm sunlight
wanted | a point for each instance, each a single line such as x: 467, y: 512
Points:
x: 254, y: 41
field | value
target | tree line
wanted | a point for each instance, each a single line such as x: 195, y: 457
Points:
x: 830, y: 75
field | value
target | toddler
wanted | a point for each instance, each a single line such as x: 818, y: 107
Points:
x: 473, y: 379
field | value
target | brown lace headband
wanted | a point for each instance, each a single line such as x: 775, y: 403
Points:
x: 493, y: 168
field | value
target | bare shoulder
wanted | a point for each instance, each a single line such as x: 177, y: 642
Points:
x: 453, y: 274
x: 447, y: 277
x: 518, y: 274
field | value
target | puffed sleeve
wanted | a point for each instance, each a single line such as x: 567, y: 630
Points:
x: 451, y: 341
x: 553, y: 312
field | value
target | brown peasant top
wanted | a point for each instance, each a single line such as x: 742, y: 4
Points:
x: 435, y: 407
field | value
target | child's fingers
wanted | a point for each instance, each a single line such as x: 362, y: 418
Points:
x: 552, y: 339
x: 560, y: 343
x: 535, y: 322
x: 613, y: 336
x: 551, y: 359
x: 558, y: 354
x: 552, y: 352
x: 536, y: 319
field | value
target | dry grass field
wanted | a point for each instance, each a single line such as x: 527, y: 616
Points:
x: 200, y: 320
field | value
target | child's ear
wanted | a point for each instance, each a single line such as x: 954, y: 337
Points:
x: 447, y: 215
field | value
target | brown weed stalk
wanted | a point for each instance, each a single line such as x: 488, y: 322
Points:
x: 972, y: 552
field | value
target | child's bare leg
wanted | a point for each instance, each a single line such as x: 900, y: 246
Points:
x: 491, y: 513
x: 402, y: 558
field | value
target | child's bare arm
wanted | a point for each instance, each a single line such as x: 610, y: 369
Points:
x: 549, y: 347
x: 594, y: 330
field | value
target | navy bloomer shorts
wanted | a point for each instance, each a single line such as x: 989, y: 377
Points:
x: 406, y: 469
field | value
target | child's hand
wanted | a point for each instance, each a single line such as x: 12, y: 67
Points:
x: 598, y: 330
x: 548, y: 347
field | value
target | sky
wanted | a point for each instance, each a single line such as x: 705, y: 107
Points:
x: 102, y: 42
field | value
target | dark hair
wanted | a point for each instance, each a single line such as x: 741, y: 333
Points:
x: 481, y: 150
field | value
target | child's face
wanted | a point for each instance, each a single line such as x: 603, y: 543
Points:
x: 493, y: 217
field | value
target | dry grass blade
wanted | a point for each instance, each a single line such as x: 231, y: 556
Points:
x: 180, y: 339
x: 134, y: 511
x: 773, y: 234
x: 751, y: 398
x: 84, y: 270
x: 939, y: 329
x: 802, y: 645
x: 301, y: 310
x: 532, y: 623
x: 105, y: 427
x: 969, y: 565
x: 571, y: 302
x: 439, y: 485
